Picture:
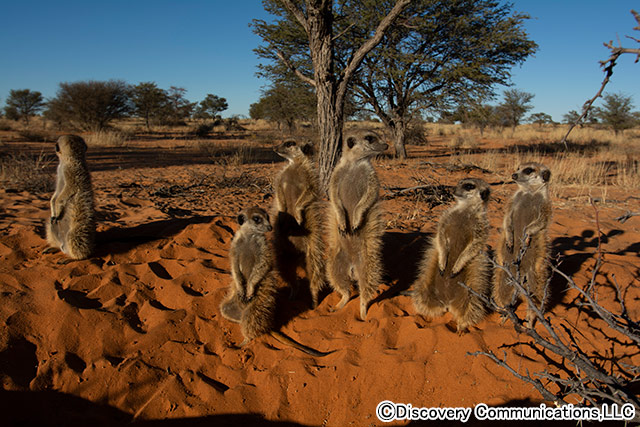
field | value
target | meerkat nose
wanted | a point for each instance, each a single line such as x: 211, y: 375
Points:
x: 514, y: 176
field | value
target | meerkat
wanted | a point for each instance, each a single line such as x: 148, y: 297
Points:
x: 457, y: 254
x: 71, y: 227
x: 355, y: 220
x: 299, y: 228
x: 251, y: 300
x: 524, y: 245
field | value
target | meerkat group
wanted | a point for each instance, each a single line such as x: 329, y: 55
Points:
x: 455, y: 273
x: 345, y: 234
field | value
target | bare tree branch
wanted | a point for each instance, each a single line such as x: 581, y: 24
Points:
x: 295, y: 69
x: 297, y: 13
x: 608, y: 66
x: 366, y: 47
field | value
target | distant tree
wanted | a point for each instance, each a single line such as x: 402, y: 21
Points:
x: 211, y: 107
x: 616, y: 112
x: 23, y: 104
x: 573, y: 116
x: 540, y: 119
x: 514, y: 106
x: 178, y: 107
x: 149, y: 102
x: 437, y: 53
x: 476, y: 113
x: 285, y: 103
x: 90, y: 105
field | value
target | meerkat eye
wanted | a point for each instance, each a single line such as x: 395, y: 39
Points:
x: 370, y: 139
x: 257, y: 219
x: 527, y: 171
x: 468, y: 187
x: 289, y: 144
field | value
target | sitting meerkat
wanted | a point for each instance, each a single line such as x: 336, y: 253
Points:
x: 300, y: 217
x: 524, y: 245
x: 251, y: 300
x: 71, y: 227
x: 457, y: 255
x: 356, y: 226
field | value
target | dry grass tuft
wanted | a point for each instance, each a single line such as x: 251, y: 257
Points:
x: 21, y: 172
x: 107, y: 138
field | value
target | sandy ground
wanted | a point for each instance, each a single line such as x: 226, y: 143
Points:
x: 135, y: 331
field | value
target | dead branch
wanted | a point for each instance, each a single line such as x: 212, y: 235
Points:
x: 588, y: 378
x: 608, y: 66
x: 626, y: 216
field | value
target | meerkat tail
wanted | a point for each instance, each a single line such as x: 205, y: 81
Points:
x: 284, y: 339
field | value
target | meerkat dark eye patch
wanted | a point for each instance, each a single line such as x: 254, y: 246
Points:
x: 307, y: 149
x: 546, y: 174
x: 241, y: 219
x: 289, y: 144
x: 57, y: 147
x: 257, y: 219
x: 468, y: 187
x: 351, y: 142
x: 527, y: 171
x: 370, y: 139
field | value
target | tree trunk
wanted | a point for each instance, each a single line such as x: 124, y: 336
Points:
x: 399, y: 132
x: 330, y: 119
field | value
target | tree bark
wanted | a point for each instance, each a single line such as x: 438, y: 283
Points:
x: 399, y: 132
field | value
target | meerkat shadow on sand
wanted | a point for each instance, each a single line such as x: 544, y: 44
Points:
x: 118, y: 240
x: 401, y: 252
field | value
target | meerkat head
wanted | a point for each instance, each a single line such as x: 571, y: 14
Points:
x: 255, y: 218
x: 292, y: 150
x: 71, y: 147
x: 532, y: 176
x: 472, y: 189
x: 362, y: 145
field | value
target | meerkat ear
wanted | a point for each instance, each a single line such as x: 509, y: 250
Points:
x: 546, y: 174
x: 484, y: 194
x: 241, y: 219
x: 351, y: 141
x: 307, y: 149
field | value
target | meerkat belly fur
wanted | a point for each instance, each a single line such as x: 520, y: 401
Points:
x: 457, y: 254
x: 71, y: 226
x: 355, y: 220
x: 524, y: 245
x: 251, y: 299
x: 300, y: 219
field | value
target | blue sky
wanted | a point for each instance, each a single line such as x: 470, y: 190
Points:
x: 207, y: 47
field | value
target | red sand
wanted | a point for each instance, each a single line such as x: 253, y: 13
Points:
x: 135, y: 331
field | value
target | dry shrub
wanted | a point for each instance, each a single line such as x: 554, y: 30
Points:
x: 107, y: 138
x: 5, y: 125
x: 22, y: 172
x: 29, y: 135
x: 465, y: 139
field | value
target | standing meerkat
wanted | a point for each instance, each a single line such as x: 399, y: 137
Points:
x: 524, y: 239
x: 458, y: 254
x: 300, y: 214
x: 251, y: 300
x: 355, y: 222
x: 71, y: 227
